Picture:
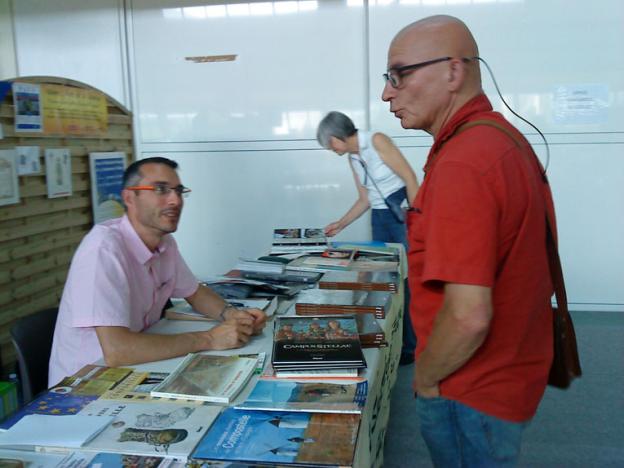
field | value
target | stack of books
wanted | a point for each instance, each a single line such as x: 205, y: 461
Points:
x: 321, y: 301
x: 360, y: 281
x: 317, y: 345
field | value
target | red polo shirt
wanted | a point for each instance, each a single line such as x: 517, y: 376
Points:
x: 479, y: 219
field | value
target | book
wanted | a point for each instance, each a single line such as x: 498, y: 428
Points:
x: 313, y: 375
x: 182, y: 310
x: 330, y: 259
x: 109, y: 460
x: 325, y: 301
x: 260, y: 266
x: 150, y: 429
x: 320, y: 397
x: 282, y: 438
x: 25, y: 459
x: 204, y: 377
x: 72, y: 394
x: 41, y: 431
x: 301, y: 343
x: 360, y: 280
x: 292, y: 276
x: 290, y: 240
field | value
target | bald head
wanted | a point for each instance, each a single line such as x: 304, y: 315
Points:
x: 425, y: 98
x: 441, y: 36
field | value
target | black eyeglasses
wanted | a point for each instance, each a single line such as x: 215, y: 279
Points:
x: 394, y: 75
x: 162, y: 189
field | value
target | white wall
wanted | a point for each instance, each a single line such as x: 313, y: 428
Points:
x: 8, y: 65
x: 243, y: 131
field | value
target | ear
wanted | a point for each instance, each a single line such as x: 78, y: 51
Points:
x: 456, y: 75
x: 127, y: 197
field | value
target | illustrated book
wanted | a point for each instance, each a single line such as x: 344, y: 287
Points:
x: 291, y: 240
x: 157, y: 429
x: 182, y: 310
x: 204, y: 377
x: 301, y: 343
x: 315, y: 397
x: 281, y: 438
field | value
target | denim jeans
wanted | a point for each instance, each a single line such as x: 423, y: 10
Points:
x: 459, y: 436
x: 387, y: 229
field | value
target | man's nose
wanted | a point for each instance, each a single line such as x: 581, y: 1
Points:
x: 388, y: 92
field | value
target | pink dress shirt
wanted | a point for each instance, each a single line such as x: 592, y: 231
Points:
x: 114, y: 280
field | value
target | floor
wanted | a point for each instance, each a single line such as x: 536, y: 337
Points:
x: 579, y: 427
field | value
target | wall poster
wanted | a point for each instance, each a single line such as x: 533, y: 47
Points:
x: 106, y: 182
x: 58, y: 172
x: 9, y: 185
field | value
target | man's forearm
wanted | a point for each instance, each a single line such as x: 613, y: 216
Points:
x: 122, y: 347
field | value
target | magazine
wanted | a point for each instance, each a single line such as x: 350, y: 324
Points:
x: 206, y: 377
x: 284, y: 438
x: 159, y: 429
x: 315, y: 397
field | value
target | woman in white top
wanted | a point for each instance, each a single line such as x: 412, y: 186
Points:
x: 380, y: 172
x: 382, y: 176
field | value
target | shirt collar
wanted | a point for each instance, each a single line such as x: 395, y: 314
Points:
x: 136, y: 246
x: 476, y: 105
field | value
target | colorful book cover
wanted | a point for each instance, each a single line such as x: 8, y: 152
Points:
x: 71, y: 394
x: 315, y: 397
x: 289, y: 438
x: 207, y: 378
x: 157, y: 429
x: 317, y: 342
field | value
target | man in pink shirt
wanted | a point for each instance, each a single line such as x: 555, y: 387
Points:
x: 123, y: 273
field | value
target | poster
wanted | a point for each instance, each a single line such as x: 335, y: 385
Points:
x: 106, y: 182
x: 28, y: 160
x: 9, y: 186
x: 73, y: 111
x: 58, y: 172
x: 27, y: 104
x: 53, y: 109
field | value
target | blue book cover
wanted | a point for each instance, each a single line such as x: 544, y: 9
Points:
x: 276, y: 437
x: 51, y: 402
x: 314, y: 397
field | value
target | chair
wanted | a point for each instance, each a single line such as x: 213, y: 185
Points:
x: 32, y: 337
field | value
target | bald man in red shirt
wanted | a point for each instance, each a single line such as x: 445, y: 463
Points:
x: 478, y: 265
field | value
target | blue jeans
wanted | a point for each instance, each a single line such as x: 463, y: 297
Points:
x: 387, y: 229
x: 459, y: 436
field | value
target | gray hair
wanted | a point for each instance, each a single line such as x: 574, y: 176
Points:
x: 335, y: 124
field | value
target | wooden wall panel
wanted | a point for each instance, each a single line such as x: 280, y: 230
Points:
x: 38, y: 236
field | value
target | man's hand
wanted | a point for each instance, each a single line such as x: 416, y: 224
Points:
x: 423, y: 388
x: 230, y: 334
x: 256, y: 318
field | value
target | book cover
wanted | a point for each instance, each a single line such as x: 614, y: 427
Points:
x: 156, y: 429
x: 284, y: 438
x: 205, y: 377
x: 116, y: 460
x: 314, y: 397
x: 71, y: 394
x: 316, y: 342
